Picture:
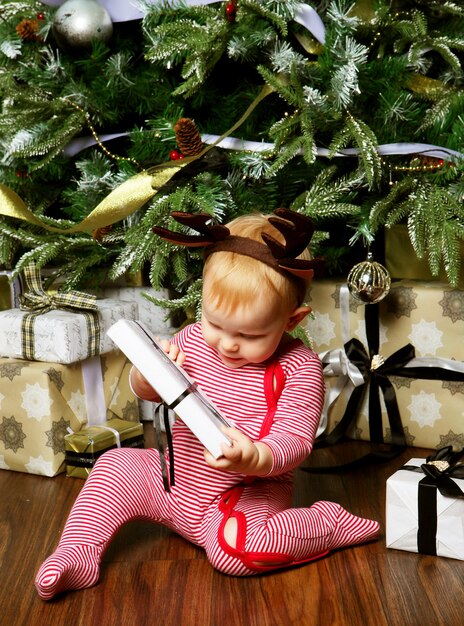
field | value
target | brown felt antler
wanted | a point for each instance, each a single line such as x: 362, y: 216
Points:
x: 297, y: 230
x: 201, y: 222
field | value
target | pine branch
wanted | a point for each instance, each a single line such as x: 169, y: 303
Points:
x: 189, y: 304
x: 436, y: 227
x: 328, y: 199
x: 287, y: 153
x: 393, y: 208
x: 280, y: 85
x: 365, y: 140
x: 276, y: 13
x: 199, y: 40
x: 284, y: 129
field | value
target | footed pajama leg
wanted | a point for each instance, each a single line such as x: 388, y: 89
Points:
x: 119, y: 488
x: 271, y: 536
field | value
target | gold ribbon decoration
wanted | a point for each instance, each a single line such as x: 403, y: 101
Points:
x: 127, y: 198
x: 425, y: 86
x: 36, y: 300
x: 118, y: 204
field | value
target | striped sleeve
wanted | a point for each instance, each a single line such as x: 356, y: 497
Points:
x: 299, y: 410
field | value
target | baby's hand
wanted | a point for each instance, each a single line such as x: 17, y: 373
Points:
x: 173, y: 351
x: 243, y: 456
x: 140, y: 385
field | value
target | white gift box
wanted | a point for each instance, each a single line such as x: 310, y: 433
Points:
x: 178, y: 391
x: 149, y: 313
x: 402, y: 515
x: 61, y: 336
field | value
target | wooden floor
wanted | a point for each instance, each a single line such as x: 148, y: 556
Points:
x: 151, y: 576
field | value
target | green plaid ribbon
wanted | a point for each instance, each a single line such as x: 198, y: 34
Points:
x: 38, y: 301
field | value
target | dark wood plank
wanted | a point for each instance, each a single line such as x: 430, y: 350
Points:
x: 150, y: 575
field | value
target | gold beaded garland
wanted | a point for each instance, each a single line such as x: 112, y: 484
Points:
x: 115, y: 157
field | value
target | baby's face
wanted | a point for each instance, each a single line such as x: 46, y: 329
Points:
x: 248, y: 335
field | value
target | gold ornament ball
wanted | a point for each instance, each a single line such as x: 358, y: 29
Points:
x: 369, y: 281
x: 77, y: 23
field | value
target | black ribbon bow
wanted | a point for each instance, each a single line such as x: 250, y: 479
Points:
x: 440, y: 468
x: 375, y: 372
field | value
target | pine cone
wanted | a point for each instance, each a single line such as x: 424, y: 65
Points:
x: 28, y: 29
x: 99, y: 233
x: 187, y: 136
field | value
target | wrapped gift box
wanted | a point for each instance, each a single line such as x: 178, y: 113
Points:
x: 153, y: 316
x: 40, y: 401
x: 61, y: 336
x: 430, y: 316
x: 401, y: 259
x: 419, y: 518
x: 86, y: 446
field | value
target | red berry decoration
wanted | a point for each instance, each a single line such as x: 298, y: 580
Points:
x: 40, y: 16
x: 231, y: 11
x: 174, y: 155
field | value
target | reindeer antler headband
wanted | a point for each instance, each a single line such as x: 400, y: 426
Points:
x: 296, y: 228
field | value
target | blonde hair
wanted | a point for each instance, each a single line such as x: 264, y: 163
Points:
x: 231, y: 280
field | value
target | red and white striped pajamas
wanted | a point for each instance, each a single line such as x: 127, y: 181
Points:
x: 126, y: 484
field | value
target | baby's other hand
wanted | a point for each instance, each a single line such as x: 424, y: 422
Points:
x: 140, y: 385
x: 173, y: 351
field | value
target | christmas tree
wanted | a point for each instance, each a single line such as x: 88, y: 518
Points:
x: 112, y: 117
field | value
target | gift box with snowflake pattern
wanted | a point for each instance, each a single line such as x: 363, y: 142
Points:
x: 39, y: 402
x: 430, y: 316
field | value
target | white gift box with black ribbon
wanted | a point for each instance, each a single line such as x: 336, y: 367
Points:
x: 178, y: 391
x: 419, y: 518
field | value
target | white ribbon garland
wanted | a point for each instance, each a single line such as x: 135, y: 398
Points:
x: 427, y: 149
x: 234, y: 143
x: 123, y: 11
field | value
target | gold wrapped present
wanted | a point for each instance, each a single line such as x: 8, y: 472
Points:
x: 418, y: 363
x: 86, y: 446
x: 401, y: 260
x: 40, y: 401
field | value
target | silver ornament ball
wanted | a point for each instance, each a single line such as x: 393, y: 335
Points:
x: 369, y: 281
x: 77, y: 23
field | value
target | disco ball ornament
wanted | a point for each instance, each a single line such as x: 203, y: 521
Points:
x: 77, y: 23
x: 369, y: 281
